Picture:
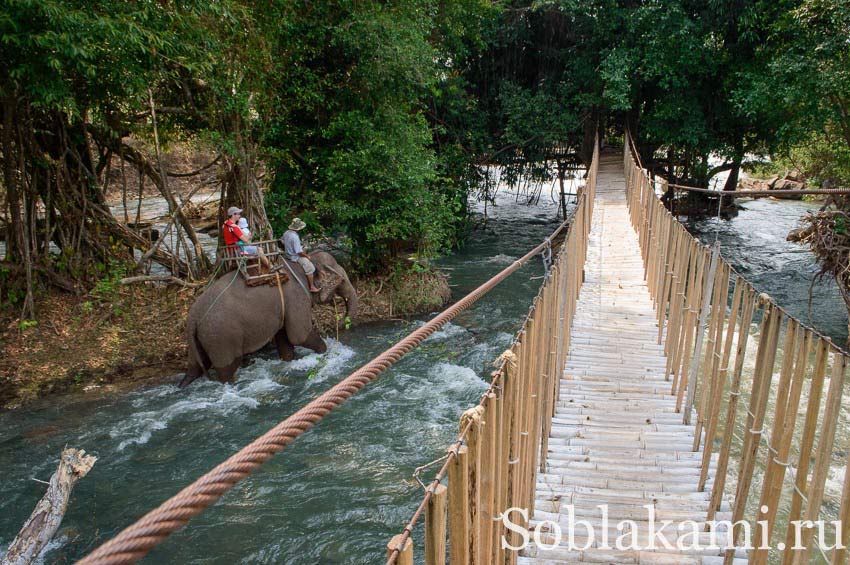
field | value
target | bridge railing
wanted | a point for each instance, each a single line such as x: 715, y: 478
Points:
x: 783, y: 450
x: 493, y: 465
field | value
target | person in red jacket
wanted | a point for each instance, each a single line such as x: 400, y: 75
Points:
x: 232, y: 235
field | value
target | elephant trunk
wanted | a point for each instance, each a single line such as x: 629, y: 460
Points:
x: 349, y: 294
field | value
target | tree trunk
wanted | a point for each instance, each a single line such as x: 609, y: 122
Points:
x: 42, y: 524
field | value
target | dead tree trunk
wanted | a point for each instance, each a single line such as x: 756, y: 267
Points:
x: 74, y: 464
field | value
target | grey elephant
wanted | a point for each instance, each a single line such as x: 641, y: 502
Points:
x: 231, y: 319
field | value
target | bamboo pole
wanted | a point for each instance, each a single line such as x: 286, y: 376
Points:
x: 526, y: 369
x: 690, y: 324
x: 712, y: 352
x: 473, y: 443
x: 732, y: 408
x: 784, y: 419
x: 499, y: 473
x: 720, y: 385
x: 459, y: 508
x: 762, y: 377
x: 405, y: 556
x: 707, y: 294
x: 486, y: 482
x: 839, y: 554
x: 435, y: 527
x: 665, y: 306
x: 677, y: 301
x: 666, y: 315
x: 823, y: 456
x: 535, y: 412
x: 806, y: 442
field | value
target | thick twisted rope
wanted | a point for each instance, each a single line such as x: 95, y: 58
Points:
x: 135, y: 541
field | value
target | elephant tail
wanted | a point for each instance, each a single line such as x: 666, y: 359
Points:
x: 198, y: 355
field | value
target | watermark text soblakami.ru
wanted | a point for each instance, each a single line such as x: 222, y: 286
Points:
x: 651, y: 534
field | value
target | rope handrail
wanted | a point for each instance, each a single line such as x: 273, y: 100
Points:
x: 504, y: 409
x: 452, y: 451
x: 755, y: 193
x: 138, y: 539
x: 768, y: 297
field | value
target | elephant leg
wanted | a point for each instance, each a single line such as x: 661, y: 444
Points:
x: 315, y: 342
x: 285, y: 350
x: 192, y: 373
x: 225, y: 374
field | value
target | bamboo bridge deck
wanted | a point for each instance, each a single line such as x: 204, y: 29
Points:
x: 616, y: 438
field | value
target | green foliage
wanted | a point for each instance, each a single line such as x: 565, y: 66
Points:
x: 354, y: 145
x: 107, y: 286
x: 24, y: 325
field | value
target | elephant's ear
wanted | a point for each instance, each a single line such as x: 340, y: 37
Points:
x: 329, y: 281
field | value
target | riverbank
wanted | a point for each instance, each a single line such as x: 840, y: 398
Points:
x: 120, y: 337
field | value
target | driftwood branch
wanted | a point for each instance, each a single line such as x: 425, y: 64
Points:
x: 42, y: 524
x: 161, y: 278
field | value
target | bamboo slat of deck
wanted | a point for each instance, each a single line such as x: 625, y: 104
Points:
x: 616, y: 438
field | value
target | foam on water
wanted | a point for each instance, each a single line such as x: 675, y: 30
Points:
x: 198, y: 401
x: 322, y: 365
x: 447, y: 331
x: 501, y: 259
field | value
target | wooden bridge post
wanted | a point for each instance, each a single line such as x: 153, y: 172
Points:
x: 405, y: 556
x: 732, y: 408
x: 499, y: 469
x: 784, y: 421
x: 511, y: 433
x: 677, y: 299
x: 839, y: 554
x: 535, y: 398
x: 686, y: 322
x: 487, y: 467
x: 706, y: 295
x: 806, y: 443
x: 823, y: 456
x: 473, y: 443
x: 668, y: 317
x: 459, y: 508
x: 762, y: 377
x: 713, y: 348
x: 435, y: 527
x: 716, y: 395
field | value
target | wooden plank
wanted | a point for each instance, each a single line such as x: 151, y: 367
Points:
x: 458, y: 501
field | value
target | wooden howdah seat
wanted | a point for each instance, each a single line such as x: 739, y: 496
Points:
x: 249, y: 265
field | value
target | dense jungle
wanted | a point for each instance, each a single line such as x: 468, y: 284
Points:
x: 423, y: 143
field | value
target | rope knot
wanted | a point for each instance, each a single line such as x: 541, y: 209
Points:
x: 473, y: 415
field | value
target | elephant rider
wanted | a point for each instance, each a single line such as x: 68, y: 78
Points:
x: 233, y: 235
x: 294, y: 252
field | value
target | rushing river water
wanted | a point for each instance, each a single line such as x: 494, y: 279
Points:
x: 337, y: 494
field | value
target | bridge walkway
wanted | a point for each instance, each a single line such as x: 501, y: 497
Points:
x: 616, y: 438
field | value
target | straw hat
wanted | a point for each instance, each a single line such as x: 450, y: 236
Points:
x: 297, y: 224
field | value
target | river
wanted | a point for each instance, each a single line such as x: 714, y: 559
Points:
x: 337, y: 494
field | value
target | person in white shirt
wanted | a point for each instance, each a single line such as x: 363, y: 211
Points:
x: 294, y: 252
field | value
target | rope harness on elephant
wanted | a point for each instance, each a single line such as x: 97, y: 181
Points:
x: 280, y: 293
x: 301, y: 284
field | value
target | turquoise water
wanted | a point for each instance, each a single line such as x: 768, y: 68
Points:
x: 337, y: 494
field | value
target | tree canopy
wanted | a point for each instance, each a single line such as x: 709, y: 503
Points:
x: 372, y: 119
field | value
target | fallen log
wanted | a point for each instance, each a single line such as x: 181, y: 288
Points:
x: 42, y: 524
x: 161, y: 278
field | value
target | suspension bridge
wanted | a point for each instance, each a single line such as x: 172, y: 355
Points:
x: 634, y: 394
